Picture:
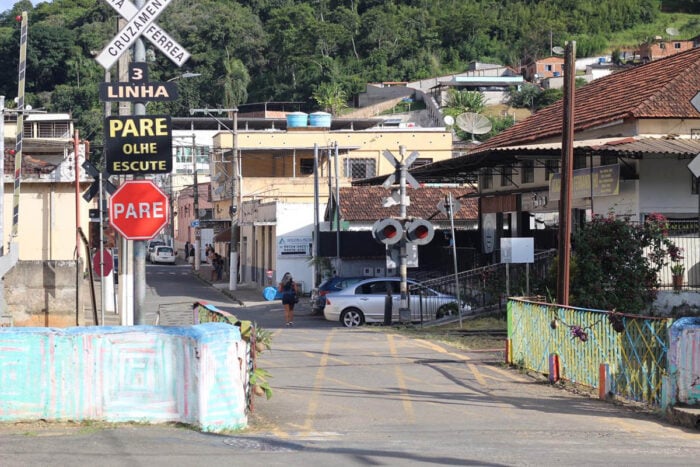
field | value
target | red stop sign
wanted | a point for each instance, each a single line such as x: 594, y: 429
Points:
x: 138, y: 210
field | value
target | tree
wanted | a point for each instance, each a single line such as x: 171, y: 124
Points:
x: 331, y: 97
x: 235, y: 82
x: 458, y: 102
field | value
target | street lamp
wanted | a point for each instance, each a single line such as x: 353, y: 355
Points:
x: 184, y: 75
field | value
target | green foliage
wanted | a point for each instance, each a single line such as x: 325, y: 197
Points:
x: 284, y: 50
x: 611, y: 269
x: 331, y: 97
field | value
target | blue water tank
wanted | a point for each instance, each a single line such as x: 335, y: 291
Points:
x: 556, y: 74
x: 320, y: 120
x: 601, y: 61
x: 297, y: 120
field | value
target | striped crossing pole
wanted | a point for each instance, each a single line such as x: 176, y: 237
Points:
x: 20, y: 123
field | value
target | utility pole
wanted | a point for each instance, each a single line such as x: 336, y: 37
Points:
x: 197, y: 261
x: 567, y: 162
x: 139, y: 245
x: 236, y: 188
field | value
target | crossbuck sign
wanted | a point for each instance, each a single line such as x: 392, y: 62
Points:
x: 141, y: 22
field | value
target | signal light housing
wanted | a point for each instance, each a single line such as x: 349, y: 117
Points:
x: 387, y: 231
x: 419, y: 232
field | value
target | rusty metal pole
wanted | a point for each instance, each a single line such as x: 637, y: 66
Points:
x: 567, y: 162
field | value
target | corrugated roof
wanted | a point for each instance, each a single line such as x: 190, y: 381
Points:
x: 465, y: 167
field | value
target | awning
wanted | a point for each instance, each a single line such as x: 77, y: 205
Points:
x: 223, y: 237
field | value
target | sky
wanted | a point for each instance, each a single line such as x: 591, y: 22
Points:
x: 8, y: 4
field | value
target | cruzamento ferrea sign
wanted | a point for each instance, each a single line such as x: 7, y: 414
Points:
x: 138, y: 145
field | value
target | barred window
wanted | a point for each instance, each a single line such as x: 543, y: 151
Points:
x: 507, y: 176
x: 359, y: 168
x: 527, y: 174
x: 487, y: 178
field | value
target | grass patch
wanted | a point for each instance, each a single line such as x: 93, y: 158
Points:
x: 688, y: 26
x: 463, y: 338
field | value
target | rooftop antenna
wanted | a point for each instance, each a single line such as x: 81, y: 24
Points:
x: 473, y: 123
x: 556, y: 50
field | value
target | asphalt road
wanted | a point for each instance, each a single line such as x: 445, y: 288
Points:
x: 369, y: 397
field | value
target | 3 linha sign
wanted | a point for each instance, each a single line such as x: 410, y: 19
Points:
x: 138, y: 145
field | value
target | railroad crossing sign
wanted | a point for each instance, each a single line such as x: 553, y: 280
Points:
x: 138, y: 210
x: 400, y: 167
x: 141, y: 22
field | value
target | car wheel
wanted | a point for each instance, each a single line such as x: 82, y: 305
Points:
x: 443, y: 311
x: 352, y: 317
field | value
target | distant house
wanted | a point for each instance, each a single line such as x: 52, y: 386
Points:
x: 662, y: 49
x: 543, y: 68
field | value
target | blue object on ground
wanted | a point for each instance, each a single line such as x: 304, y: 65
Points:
x: 270, y: 293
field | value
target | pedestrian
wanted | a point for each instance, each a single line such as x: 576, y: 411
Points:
x: 187, y: 249
x: 289, y: 297
x: 218, y: 266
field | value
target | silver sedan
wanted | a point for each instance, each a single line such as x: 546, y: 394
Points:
x: 364, y: 302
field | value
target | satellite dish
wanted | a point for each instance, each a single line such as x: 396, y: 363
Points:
x: 473, y: 123
x: 449, y: 120
x: 672, y: 31
x: 558, y: 50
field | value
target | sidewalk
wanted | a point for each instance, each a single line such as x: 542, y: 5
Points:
x: 245, y: 294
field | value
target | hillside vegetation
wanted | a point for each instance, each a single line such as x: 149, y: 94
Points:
x: 291, y: 50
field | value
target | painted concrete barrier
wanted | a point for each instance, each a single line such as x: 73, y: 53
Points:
x: 684, y: 362
x: 194, y: 375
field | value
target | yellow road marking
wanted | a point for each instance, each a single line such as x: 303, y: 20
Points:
x: 477, y: 374
x: 401, y: 381
x: 437, y: 348
x: 320, y: 375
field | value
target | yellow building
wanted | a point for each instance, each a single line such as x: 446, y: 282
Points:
x: 273, y: 199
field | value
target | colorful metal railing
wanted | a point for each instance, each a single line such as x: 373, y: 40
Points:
x: 633, y: 348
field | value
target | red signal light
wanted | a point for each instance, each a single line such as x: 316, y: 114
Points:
x: 421, y: 232
x: 389, y: 231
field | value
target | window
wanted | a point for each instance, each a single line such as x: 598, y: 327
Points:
x: 550, y: 167
x: 507, y: 176
x: 548, y: 68
x: 676, y: 45
x: 306, y: 166
x: 360, y: 168
x: 579, y: 163
x: 487, y: 178
x: 527, y: 174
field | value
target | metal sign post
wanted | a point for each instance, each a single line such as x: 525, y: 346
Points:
x: 140, y: 18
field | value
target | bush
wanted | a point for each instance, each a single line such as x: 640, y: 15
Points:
x: 612, y: 270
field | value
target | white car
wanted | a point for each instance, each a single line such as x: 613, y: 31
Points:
x: 363, y: 302
x: 151, y: 246
x: 163, y: 254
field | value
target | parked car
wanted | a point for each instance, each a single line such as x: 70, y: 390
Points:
x: 151, y: 246
x: 334, y: 284
x: 363, y: 302
x: 163, y: 254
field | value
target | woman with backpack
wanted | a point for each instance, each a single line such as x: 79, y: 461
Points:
x: 288, y: 288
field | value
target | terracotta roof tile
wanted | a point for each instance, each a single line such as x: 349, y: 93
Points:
x: 364, y: 203
x: 659, y: 89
